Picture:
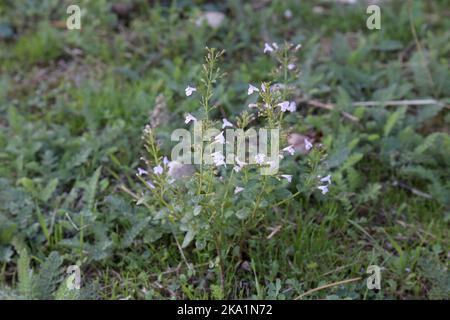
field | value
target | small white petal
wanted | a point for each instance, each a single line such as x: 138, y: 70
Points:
x: 226, y: 123
x: 158, y: 170
x: 274, y: 44
x: 237, y: 168
x: 251, y: 89
x: 290, y: 149
x: 288, y: 13
x: 142, y: 172
x: 324, y: 189
x: 218, y: 159
x: 253, y: 105
x: 288, y: 177
x: 189, y: 90
x: 284, y: 106
x: 292, y: 106
x: 259, y: 158
x: 189, y: 118
x: 308, y: 145
x: 267, y: 48
x: 326, y: 179
x: 220, y: 138
x: 291, y: 66
x: 238, y: 189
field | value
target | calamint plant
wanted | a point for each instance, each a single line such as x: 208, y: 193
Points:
x: 215, y: 203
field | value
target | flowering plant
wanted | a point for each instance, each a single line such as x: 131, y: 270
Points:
x: 217, y: 206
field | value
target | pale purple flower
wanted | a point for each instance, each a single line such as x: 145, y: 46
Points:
x: 292, y: 106
x: 326, y: 179
x: 158, y: 170
x: 288, y: 177
x: 284, y: 106
x: 291, y: 66
x: 238, y: 189
x: 220, y: 138
x: 150, y: 184
x: 142, y: 172
x: 288, y: 14
x: 251, y: 89
x: 226, y: 123
x: 288, y: 106
x: 237, y: 168
x: 267, y: 48
x: 290, y: 149
x: 308, y: 145
x: 189, y: 118
x: 263, y: 87
x: 259, y: 158
x: 324, y: 189
x: 218, y: 159
x: 165, y: 161
x: 189, y: 90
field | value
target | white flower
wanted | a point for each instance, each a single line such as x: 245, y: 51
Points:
x: 308, y: 145
x: 226, y: 123
x: 150, y: 184
x: 165, y: 161
x: 253, y: 105
x: 142, y: 172
x: 288, y: 177
x: 267, y: 48
x: 288, y: 14
x: 251, y: 89
x: 292, y: 106
x: 263, y: 87
x: 158, y: 170
x: 189, y: 118
x: 284, y: 106
x: 326, y: 179
x: 290, y: 149
x: 298, y: 47
x: 274, y: 44
x: 259, y: 158
x: 324, y: 189
x: 219, y: 138
x: 288, y: 106
x: 291, y: 66
x: 189, y: 90
x: 238, y: 189
x: 218, y: 158
x: 237, y: 168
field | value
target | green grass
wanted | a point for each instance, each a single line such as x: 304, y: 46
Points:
x: 70, y: 142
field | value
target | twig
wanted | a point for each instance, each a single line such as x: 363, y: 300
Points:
x: 413, y: 190
x: 329, y: 106
x: 327, y: 286
x: 416, y: 102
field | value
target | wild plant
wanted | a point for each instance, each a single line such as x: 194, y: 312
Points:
x: 217, y: 206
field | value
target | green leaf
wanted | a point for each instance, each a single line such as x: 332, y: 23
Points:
x: 393, y: 119
x: 24, y: 274
x: 48, y: 190
x: 48, y: 278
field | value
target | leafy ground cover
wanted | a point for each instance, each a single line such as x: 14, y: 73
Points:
x: 73, y: 106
